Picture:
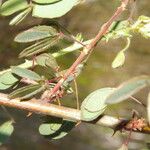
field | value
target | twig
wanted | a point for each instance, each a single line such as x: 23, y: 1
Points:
x: 89, y: 48
x: 76, y: 93
x: 37, y: 106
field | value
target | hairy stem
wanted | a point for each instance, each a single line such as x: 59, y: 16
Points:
x: 90, y: 47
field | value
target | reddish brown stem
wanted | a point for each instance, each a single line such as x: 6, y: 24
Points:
x: 88, y: 49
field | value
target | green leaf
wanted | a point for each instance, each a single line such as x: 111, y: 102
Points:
x: 47, y: 73
x: 26, y: 92
x: 94, y: 104
x: 6, y: 129
x: 36, y: 33
x: 46, y: 1
x: 148, y: 108
x: 127, y: 89
x: 41, y: 59
x: 55, y: 128
x: 35, y: 48
x: 25, y: 73
x: 66, y: 127
x: 119, y: 60
x: 53, y: 10
x: 47, y: 60
x: 50, y: 127
x: 11, y: 6
x: 4, y: 87
x: 118, y: 29
x: 39, y: 47
x: 96, y: 100
x: 44, y: 129
x: 20, y: 17
x: 89, y: 116
x: 8, y: 79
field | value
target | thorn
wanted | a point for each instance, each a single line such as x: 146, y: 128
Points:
x: 29, y: 114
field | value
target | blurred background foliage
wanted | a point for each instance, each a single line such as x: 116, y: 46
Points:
x: 86, y: 19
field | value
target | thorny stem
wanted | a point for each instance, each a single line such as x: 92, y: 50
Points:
x: 89, y: 48
x: 38, y: 106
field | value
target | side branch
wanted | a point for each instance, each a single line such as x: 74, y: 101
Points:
x: 89, y: 48
x: 37, y: 106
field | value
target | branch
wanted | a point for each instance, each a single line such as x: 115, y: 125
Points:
x: 37, y: 106
x: 90, y: 47
x: 72, y: 48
